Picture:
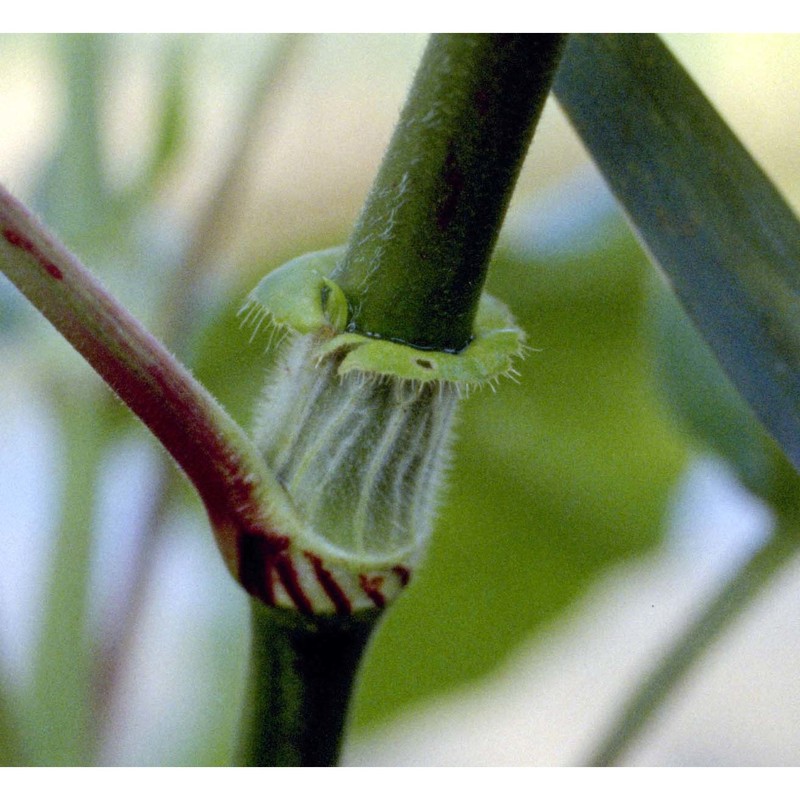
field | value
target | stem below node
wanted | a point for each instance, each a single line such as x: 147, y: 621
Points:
x: 418, y: 256
x: 302, y: 673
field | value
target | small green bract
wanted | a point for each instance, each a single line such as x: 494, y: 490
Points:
x: 301, y: 297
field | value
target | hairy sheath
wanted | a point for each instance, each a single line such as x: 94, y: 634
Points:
x: 356, y: 430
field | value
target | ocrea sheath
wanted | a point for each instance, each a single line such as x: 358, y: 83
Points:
x: 361, y: 456
x: 356, y: 430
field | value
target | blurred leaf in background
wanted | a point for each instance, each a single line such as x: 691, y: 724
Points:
x: 554, y: 479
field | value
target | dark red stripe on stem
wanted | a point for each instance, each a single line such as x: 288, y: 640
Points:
x: 403, y: 574
x: 16, y: 239
x: 341, y: 602
x: 372, y: 589
x: 258, y: 555
x: 288, y: 576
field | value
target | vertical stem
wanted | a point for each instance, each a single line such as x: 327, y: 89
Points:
x: 302, y: 673
x: 413, y: 272
x: 732, y: 599
x: 62, y: 695
x: 418, y: 256
x: 73, y: 189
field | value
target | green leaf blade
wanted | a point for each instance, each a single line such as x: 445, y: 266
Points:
x: 723, y: 235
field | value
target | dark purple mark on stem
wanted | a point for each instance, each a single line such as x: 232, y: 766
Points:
x: 16, y: 239
x: 403, y: 574
x: 288, y: 577
x: 482, y: 101
x: 454, y: 183
x: 257, y: 556
x: 340, y: 600
x: 372, y: 589
x: 262, y: 557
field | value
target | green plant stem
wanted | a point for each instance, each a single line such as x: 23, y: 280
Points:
x: 62, y: 721
x: 417, y: 259
x: 73, y: 189
x: 302, y: 672
x: 724, y: 609
x: 413, y: 272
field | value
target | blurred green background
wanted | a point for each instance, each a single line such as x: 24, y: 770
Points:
x: 180, y: 169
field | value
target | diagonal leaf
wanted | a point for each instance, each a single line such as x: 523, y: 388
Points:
x: 554, y: 481
x: 725, y: 238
